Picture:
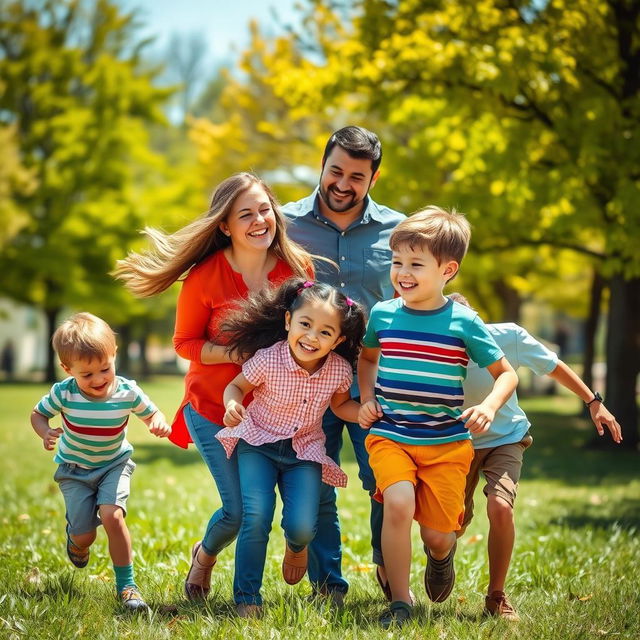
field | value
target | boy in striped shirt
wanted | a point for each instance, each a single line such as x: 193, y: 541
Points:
x: 410, y: 373
x: 94, y: 456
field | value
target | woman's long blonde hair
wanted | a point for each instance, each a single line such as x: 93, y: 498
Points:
x: 152, y: 271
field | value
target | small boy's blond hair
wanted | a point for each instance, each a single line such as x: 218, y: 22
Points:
x: 445, y: 234
x: 84, y: 337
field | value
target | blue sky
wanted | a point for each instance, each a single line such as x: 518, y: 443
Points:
x: 223, y: 23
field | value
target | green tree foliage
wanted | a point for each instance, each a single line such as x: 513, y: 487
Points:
x: 15, y: 182
x: 525, y: 115
x: 78, y: 94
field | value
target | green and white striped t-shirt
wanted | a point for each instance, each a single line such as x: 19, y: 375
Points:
x: 94, y: 431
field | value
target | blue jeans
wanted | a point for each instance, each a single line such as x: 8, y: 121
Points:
x: 299, y: 481
x: 224, y: 524
x: 325, y: 552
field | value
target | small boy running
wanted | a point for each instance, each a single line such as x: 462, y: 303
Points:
x: 410, y: 374
x: 94, y: 456
x: 499, y: 450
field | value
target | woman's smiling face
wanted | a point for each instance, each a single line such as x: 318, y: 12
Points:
x: 252, y: 222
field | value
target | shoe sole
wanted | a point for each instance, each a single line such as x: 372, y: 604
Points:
x: 199, y: 593
x: 296, y: 565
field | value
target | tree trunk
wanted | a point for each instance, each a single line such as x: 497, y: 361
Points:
x: 511, y: 301
x: 591, y: 327
x: 124, y: 361
x: 145, y: 369
x: 50, y: 371
x: 623, y: 355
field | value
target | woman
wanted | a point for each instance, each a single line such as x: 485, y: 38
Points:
x: 239, y: 246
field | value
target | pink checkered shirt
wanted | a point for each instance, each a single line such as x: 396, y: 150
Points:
x: 289, y: 403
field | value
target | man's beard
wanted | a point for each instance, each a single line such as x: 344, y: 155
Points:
x: 345, y: 205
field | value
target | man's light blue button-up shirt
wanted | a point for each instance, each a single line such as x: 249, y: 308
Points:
x: 361, y: 251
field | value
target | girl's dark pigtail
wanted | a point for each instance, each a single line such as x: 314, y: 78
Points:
x: 259, y: 321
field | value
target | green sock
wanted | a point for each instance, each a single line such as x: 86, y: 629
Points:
x: 124, y: 577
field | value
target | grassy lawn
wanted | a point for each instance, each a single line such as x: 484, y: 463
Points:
x: 575, y: 572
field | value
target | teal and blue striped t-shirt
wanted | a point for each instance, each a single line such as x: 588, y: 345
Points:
x: 94, y: 431
x: 423, y: 363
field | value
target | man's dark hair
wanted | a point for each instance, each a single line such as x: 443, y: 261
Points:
x: 358, y: 142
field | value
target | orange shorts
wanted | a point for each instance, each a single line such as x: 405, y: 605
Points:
x: 438, y: 473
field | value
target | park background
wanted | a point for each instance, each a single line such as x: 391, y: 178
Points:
x: 525, y: 115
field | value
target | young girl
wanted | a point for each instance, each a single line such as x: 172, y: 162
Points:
x: 304, y: 340
x: 239, y: 246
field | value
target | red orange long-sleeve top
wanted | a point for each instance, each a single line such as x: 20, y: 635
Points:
x: 210, y: 290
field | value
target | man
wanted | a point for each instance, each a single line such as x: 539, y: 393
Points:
x: 341, y: 222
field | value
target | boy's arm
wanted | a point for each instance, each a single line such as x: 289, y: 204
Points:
x: 600, y: 415
x: 344, y: 406
x: 370, y: 409
x: 479, y: 418
x: 234, y: 394
x: 41, y: 426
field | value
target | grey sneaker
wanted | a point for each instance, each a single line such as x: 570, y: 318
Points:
x: 132, y: 600
x: 440, y: 576
x: 397, y: 614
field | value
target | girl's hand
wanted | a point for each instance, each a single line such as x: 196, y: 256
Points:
x: 602, y: 417
x: 478, y: 419
x: 370, y: 412
x: 50, y: 437
x: 158, y: 425
x: 234, y: 414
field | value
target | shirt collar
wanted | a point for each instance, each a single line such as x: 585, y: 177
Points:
x: 371, y: 208
x: 291, y: 365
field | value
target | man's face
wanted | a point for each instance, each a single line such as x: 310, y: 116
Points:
x: 345, y: 181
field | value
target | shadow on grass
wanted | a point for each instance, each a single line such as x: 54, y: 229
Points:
x: 561, y: 451
x: 154, y: 451
x: 626, y: 516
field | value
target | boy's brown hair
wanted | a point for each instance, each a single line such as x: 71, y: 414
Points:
x: 445, y: 234
x: 84, y: 336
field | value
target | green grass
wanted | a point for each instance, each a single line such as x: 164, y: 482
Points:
x: 574, y: 574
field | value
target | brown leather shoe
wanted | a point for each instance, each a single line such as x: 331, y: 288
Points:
x: 497, y: 604
x: 440, y: 576
x: 294, y: 565
x: 198, y: 581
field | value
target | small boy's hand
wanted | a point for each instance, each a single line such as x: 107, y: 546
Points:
x: 158, y: 425
x: 602, y: 417
x: 478, y: 419
x: 370, y: 411
x: 234, y: 414
x: 50, y: 438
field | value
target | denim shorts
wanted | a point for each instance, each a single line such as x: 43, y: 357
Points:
x: 84, y: 490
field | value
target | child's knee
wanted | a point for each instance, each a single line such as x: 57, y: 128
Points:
x: 499, y: 510
x: 437, y: 541
x: 111, y: 516
x: 84, y: 539
x: 399, y: 507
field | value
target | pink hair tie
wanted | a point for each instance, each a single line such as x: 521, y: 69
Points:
x: 306, y: 285
x: 349, y: 301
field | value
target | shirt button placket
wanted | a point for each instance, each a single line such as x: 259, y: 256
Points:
x: 343, y: 252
